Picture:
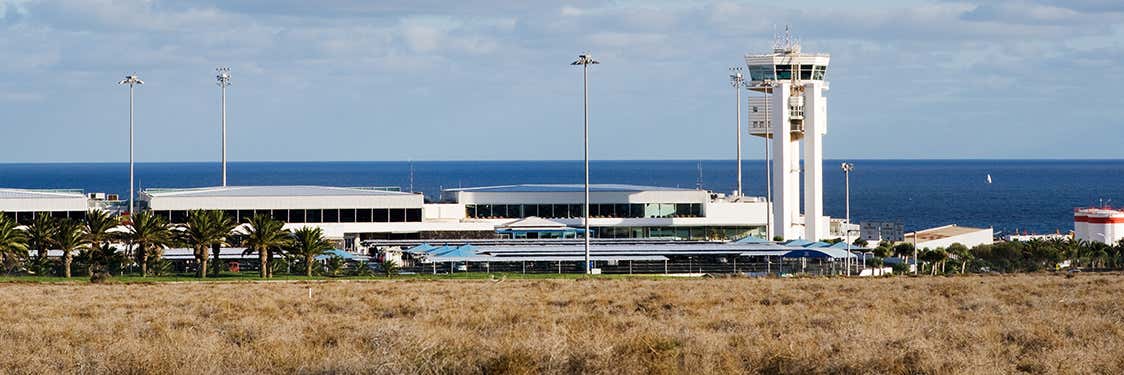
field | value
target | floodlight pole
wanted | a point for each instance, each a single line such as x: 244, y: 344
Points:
x: 132, y: 81
x: 846, y: 173
x: 736, y: 80
x: 585, y: 60
x: 223, y: 82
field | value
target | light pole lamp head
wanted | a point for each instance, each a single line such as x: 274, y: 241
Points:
x: 224, y: 76
x: 131, y: 80
x: 847, y: 167
x: 736, y: 77
x: 585, y: 59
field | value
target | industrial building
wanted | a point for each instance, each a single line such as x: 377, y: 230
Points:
x: 949, y: 234
x: 1105, y: 225
x: 876, y: 231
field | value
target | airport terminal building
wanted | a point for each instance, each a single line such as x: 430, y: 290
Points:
x: 24, y: 204
x: 355, y: 214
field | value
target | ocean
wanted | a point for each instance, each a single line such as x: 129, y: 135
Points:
x: 1025, y: 195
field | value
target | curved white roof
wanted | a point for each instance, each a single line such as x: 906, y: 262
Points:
x: 8, y: 193
x: 565, y: 188
x: 271, y: 191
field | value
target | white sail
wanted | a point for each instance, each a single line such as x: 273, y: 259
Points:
x: 989, y: 178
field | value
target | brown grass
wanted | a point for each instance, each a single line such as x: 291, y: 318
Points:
x: 999, y: 324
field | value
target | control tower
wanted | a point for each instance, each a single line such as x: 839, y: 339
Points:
x: 792, y: 110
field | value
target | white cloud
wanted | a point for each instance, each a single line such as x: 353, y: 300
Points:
x: 674, y: 54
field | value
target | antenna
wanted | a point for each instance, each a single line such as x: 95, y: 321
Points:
x: 699, y: 181
x: 411, y: 176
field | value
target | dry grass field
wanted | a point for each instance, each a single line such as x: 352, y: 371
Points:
x: 993, y: 324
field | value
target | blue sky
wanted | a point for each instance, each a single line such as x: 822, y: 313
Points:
x: 490, y: 79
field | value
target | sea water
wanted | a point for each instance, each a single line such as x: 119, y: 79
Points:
x: 1025, y: 195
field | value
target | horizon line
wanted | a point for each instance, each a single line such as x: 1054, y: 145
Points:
x: 540, y: 160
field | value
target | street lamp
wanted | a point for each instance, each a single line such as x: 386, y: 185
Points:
x: 223, y: 82
x: 736, y: 80
x: 585, y: 60
x: 847, y: 168
x: 132, y: 81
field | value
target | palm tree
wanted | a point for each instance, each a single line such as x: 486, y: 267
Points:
x: 389, y: 267
x: 198, y: 234
x: 903, y: 251
x: 203, y: 230
x: 69, y: 237
x: 13, y: 241
x: 308, y: 242
x: 39, y: 234
x: 962, y: 253
x: 264, y: 234
x: 225, y: 225
x: 101, y: 260
x: 148, y: 234
x: 98, y: 224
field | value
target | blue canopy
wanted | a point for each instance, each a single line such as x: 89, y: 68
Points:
x: 819, y: 253
x: 461, y: 251
x: 423, y: 248
x: 843, y: 245
x: 335, y: 252
x: 453, y: 251
x: 798, y: 243
x: 752, y: 239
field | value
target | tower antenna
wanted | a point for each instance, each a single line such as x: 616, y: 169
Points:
x: 699, y: 180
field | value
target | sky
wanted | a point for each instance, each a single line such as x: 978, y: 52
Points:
x: 491, y: 79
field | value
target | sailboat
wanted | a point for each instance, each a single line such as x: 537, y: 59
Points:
x: 989, y: 178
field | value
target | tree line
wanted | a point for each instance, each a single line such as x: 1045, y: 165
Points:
x: 1008, y: 257
x: 92, y: 242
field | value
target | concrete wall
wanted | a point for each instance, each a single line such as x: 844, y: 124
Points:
x: 79, y: 203
x: 741, y: 213
x: 443, y: 211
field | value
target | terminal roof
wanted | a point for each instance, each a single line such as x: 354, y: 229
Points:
x: 6, y: 193
x: 566, y: 188
x: 272, y: 191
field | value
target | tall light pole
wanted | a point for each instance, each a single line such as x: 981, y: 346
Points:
x: 767, y: 88
x: 132, y: 81
x: 585, y: 60
x: 847, y: 168
x: 736, y: 80
x: 223, y: 82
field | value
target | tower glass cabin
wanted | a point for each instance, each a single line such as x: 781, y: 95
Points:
x: 791, y: 110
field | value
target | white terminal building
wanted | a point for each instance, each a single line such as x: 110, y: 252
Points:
x: 24, y: 205
x: 353, y: 214
x: 1098, y: 225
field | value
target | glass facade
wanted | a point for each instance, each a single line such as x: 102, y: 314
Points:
x: 325, y: 215
x: 784, y: 72
x: 25, y: 218
x: 563, y: 211
x: 680, y: 233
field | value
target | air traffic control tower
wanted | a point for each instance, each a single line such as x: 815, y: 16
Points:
x: 793, y: 109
